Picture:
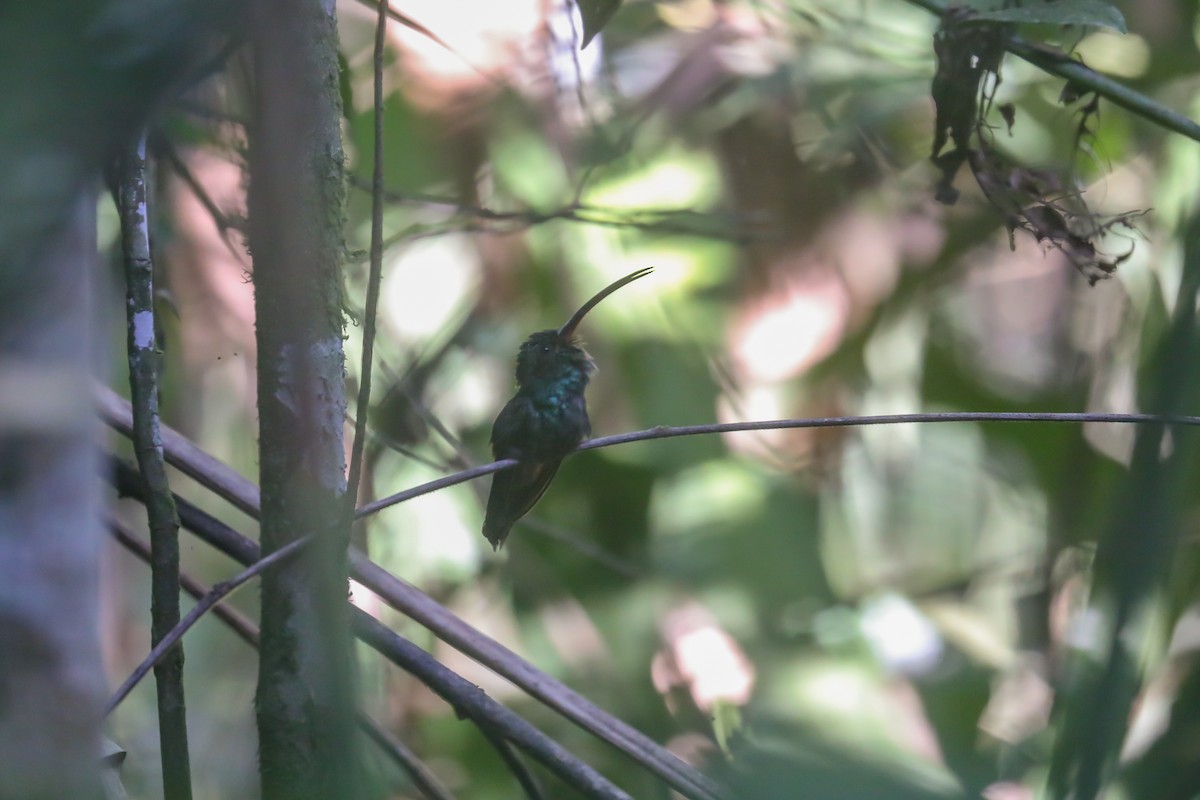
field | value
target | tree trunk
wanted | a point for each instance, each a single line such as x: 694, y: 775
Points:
x: 305, y: 701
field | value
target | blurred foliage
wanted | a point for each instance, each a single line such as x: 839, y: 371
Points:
x: 892, y: 611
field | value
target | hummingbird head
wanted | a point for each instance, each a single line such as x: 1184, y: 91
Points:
x: 553, y: 358
x: 548, y: 358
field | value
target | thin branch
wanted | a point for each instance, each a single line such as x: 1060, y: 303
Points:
x: 376, y: 272
x: 583, y: 547
x: 737, y: 228
x: 466, y: 698
x: 384, y: 441
x: 160, y: 510
x: 183, y: 454
x: 422, y: 777
x: 238, y: 622
x: 444, y: 482
x: 665, y: 432
x: 1057, y: 63
x: 197, y: 109
x: 415, y: 604
x: 512, y: 759
x: 215, y: 595
x: 164, y: 149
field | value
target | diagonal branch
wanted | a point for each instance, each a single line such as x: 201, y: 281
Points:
x: 512, y: 760
x: 215, y: 595
x: 165, y: 150
x: 375, y: 275
x: 416, y: 27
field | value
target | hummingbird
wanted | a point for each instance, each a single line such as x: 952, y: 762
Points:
x: 546, y: 419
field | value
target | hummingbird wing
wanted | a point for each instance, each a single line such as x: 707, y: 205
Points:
x: 514, y: 492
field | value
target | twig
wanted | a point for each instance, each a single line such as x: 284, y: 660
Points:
x: 376, y: 272
x: 681, y: 221
x: 527, y: 780
x: 160, y: 510
x: 215, y: 595
x: 384, y: 441
x: 467, y: 698
x: 583, y: 547
x: 422, y: 777
x: 163, y: 149
x: 189, y: 106
x: 238, y: 622
x: 1064, y: 67
x: 183, y: 454
x: 665, y: 432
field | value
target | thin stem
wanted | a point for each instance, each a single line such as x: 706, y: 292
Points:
x: 375, y: 275
x: 238, y: 622
x: 481, y: 219
x: 1064, y: 67
x: 422, y: 777
x: 164, y: 150
x: 418, y: 28
x: 527, y: 780
x: 665, y: 432
x: 160, y: 509
x: 218, y: 593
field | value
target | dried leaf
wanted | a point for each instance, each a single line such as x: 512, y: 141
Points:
x: 967, y: 53
x: 969, y: 46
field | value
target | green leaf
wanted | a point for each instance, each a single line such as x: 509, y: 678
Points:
x: 1092, y: 13
x: 595, y: 14
x: 726, y: 722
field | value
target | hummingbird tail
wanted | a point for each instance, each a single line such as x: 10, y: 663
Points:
x: 514, y: 492
x: 495, y: 534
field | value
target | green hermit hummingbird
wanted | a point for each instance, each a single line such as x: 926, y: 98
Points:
x: 546, y: 419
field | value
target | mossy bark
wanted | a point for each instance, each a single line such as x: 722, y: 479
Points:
x: 305, y: 702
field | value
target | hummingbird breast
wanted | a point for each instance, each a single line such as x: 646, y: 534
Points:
x: 540, y: 426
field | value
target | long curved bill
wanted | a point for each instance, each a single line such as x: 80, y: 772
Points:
x: 568, y: 328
